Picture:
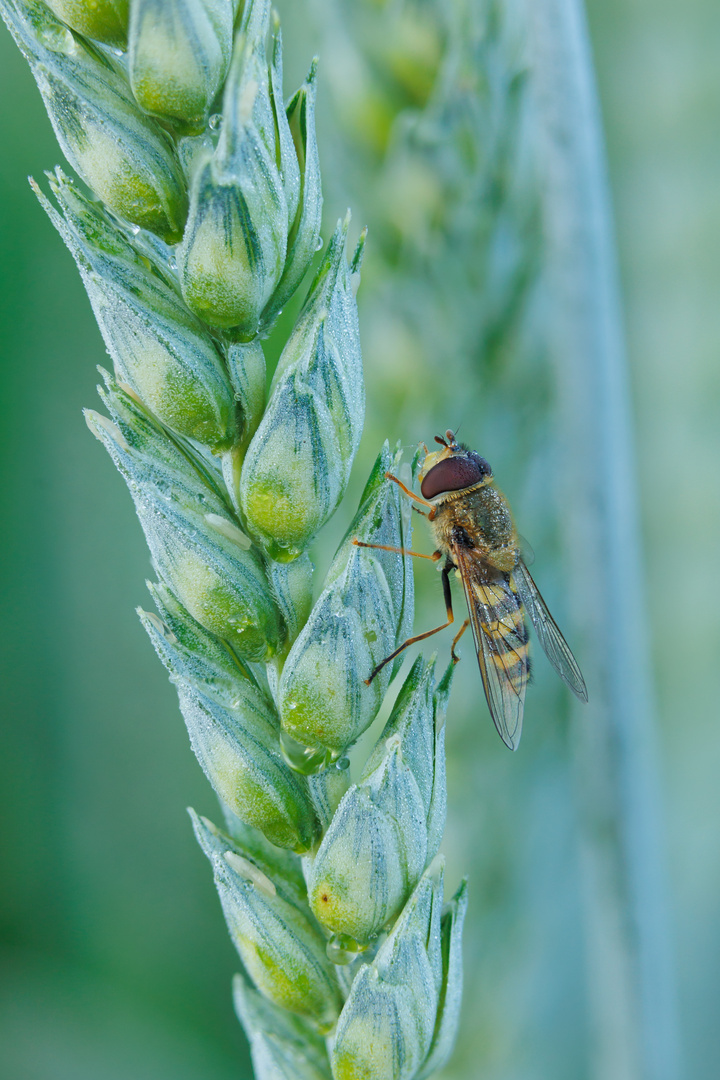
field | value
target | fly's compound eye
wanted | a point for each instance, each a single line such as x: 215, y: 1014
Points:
x: 454, y: 474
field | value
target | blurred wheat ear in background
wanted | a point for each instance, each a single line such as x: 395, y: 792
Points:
x: 467, y: 134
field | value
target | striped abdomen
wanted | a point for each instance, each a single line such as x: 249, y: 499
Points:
x: 503, y: 621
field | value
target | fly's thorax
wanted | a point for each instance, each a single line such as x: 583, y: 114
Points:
x: 477, y: 517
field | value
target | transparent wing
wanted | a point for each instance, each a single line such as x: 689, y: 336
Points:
x: 556, y: 647
x: 501, y: 645
x: 526, y: 551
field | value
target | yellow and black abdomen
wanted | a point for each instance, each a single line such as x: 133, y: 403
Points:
x: 502, y: 621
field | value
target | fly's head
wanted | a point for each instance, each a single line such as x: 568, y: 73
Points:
x: 451, y: 469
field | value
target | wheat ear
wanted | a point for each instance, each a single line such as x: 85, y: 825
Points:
x: 204, y: 219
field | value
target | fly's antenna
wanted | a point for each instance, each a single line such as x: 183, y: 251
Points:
x: 439, y: 438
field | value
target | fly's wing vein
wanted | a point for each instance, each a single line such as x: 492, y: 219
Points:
x: 502, y: 652
x: 556, y: 647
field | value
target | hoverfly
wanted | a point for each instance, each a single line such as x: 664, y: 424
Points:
x: 474, y: 531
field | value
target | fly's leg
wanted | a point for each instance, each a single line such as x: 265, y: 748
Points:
x: 411, y: 495
x: 399, y: 551
x: 461, y: 631
x: 428, y: 633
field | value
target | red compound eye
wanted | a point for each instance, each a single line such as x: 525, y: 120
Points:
x: 454, y: 474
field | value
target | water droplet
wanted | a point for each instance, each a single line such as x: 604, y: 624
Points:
x: 161, y: 627
x: 319, y: 244
x: 135, y: 229
x: 58, y: 39
x: 215, y: 122
x: 341, y: 949
x: 342, y: 763
x: 172, y: 263
x: 119, y: 52
x: 307, y: 760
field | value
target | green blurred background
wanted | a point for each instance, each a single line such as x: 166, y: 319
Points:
x: 115, y: 961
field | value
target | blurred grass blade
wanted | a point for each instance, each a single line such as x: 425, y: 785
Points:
x: 631, y: 982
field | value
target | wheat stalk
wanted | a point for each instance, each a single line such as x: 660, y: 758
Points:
x: 204, y: 219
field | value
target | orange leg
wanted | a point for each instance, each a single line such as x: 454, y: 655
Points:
x: 428, y: 633
x: 461, y: 631
x: 411, y: 495
x: 399, y: 551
